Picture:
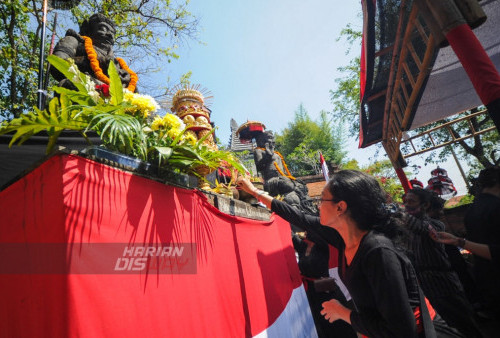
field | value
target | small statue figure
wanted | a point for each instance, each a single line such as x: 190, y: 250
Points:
x: 265, y: 156
x: 277, y: 178
x: 92, y: 51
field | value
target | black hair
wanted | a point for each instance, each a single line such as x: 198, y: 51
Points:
x: 424, y: 195
x: 366, y: 205
x: 363, y: 195
x: 489, y: 177
x: 436, y: 202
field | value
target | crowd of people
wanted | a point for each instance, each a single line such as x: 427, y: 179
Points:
x: 398, y: 267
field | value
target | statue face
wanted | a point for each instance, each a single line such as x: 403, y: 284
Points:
x: 103, y: 33
x: 265, y: 138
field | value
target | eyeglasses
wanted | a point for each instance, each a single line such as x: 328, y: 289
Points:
x: 321, y: 200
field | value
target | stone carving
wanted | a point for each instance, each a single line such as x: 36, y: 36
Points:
x: 277, y: 179
x: 265, y: 156
x: 92, y: 51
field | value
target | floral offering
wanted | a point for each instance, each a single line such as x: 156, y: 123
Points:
x: 125, y: 121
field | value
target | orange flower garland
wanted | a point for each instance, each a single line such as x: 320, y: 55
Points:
x: 289, y: 175
x: 94, y: 64
x: 285, y: 166
x: 133, y: 76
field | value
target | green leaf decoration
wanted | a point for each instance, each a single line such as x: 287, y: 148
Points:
x: 63, y: 66
x: 164, y: 154
x: 118, y: 131
x: 95, y: 110
x: 34, y: 122
x: 178, y: 138
x: 53, y: 104
x: 77, y: 97
x: 120, y: 128
x: 180, y: 163
x: 52, y: 141
x: 186, y: 152
x: 115, y: 85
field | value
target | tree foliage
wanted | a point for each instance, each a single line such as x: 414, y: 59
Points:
x: 18, y: 64
x: 152, y: 28
x: 345, y: 98
x: 147, y: 30
x: 301, y: 141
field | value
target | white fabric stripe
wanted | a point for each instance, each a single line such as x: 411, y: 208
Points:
x: 296, y: 319
x: 334, y: 273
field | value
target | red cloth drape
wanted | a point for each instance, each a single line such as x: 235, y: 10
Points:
x: 245, y: 269
x: 478, y: 65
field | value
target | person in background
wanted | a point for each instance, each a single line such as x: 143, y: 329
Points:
x: 482, y: 224
x: 457, y: 261
x: 380, y: 279
x: 439, y: 282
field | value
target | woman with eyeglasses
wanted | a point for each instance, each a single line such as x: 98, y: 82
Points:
x: 380, y: 279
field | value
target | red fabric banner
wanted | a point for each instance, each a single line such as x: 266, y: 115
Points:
x: 476, y: 62
x: 245, y: 270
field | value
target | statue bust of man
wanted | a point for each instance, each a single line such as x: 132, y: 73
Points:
x: 101, y: 31
x: 294, y: 192
x: 265, y: 156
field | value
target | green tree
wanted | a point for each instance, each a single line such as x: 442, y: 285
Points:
x: 301, y: 141
x: 345, y: 98
x: 151, y: 28
x: 480, y: 151
x: 18, y: 46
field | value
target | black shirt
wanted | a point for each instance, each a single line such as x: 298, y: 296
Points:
x: 381, y: 281
x: 431, y: 262
x: 482, y: 222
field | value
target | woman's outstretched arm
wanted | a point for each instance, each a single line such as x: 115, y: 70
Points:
x: 482, y: 250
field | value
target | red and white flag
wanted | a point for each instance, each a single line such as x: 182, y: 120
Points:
x: 161, y: 268
x: 324, y: 167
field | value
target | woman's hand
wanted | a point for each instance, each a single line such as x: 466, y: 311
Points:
x: 445, y: 238
x: 244, y: 184
x: 479, y: 249
x: 333, y: 310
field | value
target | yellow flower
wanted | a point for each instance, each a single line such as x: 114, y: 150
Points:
x: 172, y: 121
x: 144, y: 104
x: 173, y: 133
x: 190, y: 139
x: 157, y: 123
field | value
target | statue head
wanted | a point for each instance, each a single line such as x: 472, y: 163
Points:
x: 100, y: 29
x: 265, y: 137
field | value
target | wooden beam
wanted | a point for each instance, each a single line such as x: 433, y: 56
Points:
x: 449, y: 142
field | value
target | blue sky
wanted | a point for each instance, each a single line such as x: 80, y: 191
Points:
x: 261, y: 59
